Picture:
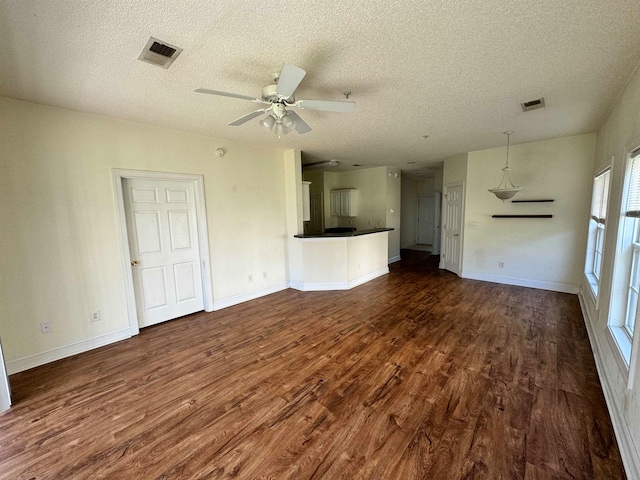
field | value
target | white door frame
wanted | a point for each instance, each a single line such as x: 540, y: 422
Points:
x: 462, y: 212
x: 203, y: 237
x: 5, y: 388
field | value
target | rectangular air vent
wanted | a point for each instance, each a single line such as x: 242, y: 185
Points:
x: 532, y: 105
x: 159, y: 53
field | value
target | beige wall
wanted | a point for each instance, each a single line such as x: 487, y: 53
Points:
x: 316, y: 177
x: 59, y: 242
x: 619, y: 134
x: 371, y: 184
x: 455, y: 169
x: 330, y: 180
x: 409, y: 212
x: 548, y: 251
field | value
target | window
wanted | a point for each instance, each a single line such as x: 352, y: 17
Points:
x: 593, y: 264
x: 634, y: 283
x: 632, y: 220
x: 626, y: 281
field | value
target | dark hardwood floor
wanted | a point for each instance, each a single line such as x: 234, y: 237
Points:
x: 416, y: 375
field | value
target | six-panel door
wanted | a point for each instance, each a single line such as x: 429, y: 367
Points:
x: 164, y: 250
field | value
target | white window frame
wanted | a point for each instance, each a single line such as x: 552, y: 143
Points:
x: 597, y: 229
x: 633, y: 284
x: 625, y: 287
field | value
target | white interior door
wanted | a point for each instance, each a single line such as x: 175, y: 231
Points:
x: 452, y: 229
x: 426, y: 219
x: 163, y: 244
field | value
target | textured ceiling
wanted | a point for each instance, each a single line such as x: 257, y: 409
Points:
x: 451, y: 69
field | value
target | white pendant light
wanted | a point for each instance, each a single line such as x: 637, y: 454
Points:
x: 506, y: 189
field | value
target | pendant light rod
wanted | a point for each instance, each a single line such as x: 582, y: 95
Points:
x: 508, y: 134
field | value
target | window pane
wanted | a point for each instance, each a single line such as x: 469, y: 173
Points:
x: 600, y: 196
x: 634, y: 283
x: 597, y: 254
x: 632, y: 308
x: 633, y: 198
x: 605, y: 194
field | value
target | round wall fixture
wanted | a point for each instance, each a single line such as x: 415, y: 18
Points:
x: 220, y: 152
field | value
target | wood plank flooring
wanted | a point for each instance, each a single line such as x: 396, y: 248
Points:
x: 416, y: 375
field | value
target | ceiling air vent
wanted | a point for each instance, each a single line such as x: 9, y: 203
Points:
x: 532, y: 105
x: 159, y: 53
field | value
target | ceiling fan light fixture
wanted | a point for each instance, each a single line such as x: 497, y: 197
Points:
x: 268, y: 122
x: 288, y: 122
x: 278, y: 98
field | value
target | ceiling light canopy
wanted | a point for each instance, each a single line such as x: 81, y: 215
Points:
x: 506, y: 189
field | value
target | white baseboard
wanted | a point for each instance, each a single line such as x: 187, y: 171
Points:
x: 628, y: 452
x: 25, y: 363
x: 394, y: 259
x: 520, y: 282
x: 245, y: 297
x: 368, y: 277
x: 317, y: 287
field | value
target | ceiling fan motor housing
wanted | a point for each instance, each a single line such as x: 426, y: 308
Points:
x: 270, y: 94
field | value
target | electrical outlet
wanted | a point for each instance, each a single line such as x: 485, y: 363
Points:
x: 472, y: 225
x: 95, y: 315
x: 264, y: 274
x: 500, y: 264
x: 45, y: 327
x: 250, y: 278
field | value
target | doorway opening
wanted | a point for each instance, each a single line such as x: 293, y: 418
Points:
x: 428, y: 224
x: 164, y: 245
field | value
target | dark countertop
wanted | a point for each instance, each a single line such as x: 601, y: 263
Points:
x: 344, y: 234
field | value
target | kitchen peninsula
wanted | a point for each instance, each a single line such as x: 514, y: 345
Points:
x: 339, y: 260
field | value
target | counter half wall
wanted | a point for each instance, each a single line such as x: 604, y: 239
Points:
x: 340, y: 262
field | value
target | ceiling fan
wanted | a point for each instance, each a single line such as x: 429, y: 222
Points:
x: 279, y: 98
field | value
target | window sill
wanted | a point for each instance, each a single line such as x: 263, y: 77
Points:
x: 622, y: 341
x: 592, y: 281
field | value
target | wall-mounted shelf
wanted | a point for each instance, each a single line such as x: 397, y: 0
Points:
x: 530, y: 201
x: 521, y: 216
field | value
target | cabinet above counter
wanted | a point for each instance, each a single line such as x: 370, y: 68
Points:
x: 344, y: 202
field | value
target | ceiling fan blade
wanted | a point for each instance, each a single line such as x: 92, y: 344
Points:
x: 326, y: 106
x: 247, y: 117
x: 226, y: 94
x: 290, y: 78
x: 301, y: 125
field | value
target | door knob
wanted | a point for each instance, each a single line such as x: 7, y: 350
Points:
x: 134, y: 262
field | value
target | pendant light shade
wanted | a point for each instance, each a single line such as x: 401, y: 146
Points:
x: 268, y: 122
x: 506, y: 189
x: 288, y: 122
